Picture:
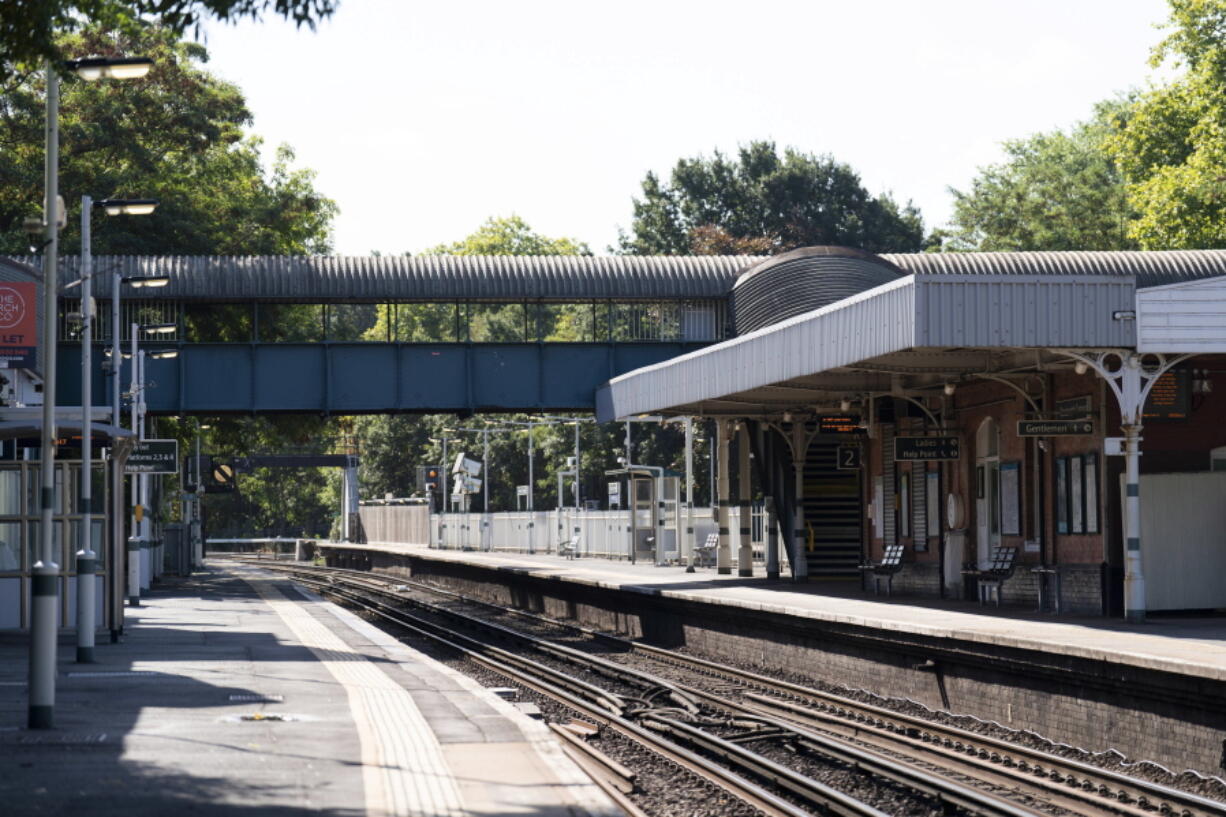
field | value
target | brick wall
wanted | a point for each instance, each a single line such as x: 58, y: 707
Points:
x: 1175, y: 720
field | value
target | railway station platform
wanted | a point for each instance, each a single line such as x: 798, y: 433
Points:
x: 1155, y: 691
x: 1193, y: 646
x: 235, y: 692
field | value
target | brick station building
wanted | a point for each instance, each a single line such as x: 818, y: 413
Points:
x: 964, y: 423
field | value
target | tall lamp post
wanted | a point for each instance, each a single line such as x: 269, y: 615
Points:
x: 87, y: 558
x: 45, y: 571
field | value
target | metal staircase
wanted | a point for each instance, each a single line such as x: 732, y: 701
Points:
x: 833, y: 515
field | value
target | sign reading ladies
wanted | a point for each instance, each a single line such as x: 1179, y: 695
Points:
x: 18, y: 325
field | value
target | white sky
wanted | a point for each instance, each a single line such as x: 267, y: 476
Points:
x: 424, y: 118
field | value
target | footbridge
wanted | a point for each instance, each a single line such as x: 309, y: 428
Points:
x: 336, y: 335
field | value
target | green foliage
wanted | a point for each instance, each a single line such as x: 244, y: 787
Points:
x: 763, y: 202
x: 1170, y: 142
x: 269, y: 501
x: 510, y: 235
x: 177, y: 135
x: 1055, y: 191
x: 29, y: 29
x: 498, y: 323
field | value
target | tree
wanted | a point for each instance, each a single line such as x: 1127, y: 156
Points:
x: 763, y: 202
x: 1170, y: 142
x: 1055, y: 191
x: 509, y: 235
x: 29, y: 29
x: 177, y: 135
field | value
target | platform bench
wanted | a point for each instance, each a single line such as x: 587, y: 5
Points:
x: 569, y: 548
x: 1000, y: 568
x: 891, y: 563
x: 704, y: 554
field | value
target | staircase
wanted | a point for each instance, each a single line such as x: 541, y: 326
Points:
x: 832, y: 506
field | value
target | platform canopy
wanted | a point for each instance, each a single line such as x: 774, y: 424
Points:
x: 994, y: 315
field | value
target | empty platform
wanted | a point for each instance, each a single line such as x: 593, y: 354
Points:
x: 235, y: 692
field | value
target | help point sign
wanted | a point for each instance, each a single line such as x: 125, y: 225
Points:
x: 18, y: 325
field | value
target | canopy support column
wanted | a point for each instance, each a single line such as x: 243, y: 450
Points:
x: 744, y: 561
x: 1130, y: 379
x: 723, y: 556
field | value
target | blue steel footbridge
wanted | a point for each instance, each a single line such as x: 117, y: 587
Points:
x: 336, y: 335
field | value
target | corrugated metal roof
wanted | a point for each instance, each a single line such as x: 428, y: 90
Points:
x: 918, y: 311
x: 1150, y: 268
x: 422, y: 278
x: 560, y: 278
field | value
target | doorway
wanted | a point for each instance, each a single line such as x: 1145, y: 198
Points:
x: 987, y: 490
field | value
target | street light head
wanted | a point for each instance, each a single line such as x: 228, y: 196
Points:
x: 140, y: 281
x: 127, y: 207
x: 94, y: 68
x: 159, y: 328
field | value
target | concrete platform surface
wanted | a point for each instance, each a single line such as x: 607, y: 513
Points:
x: 235, y: 692
x: 1184, y: 645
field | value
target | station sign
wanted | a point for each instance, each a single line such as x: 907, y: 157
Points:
x: 1054, y: 428
x: 912, y: 449
x: 153, y: 457
x: 848, y: 458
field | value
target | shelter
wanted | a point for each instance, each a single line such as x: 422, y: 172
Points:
x: 958, y: 390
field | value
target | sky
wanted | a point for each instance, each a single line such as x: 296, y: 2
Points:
x: 423, y: 119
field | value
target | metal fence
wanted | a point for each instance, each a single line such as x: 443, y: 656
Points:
x: 600, y: 534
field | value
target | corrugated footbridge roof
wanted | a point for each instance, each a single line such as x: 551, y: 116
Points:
x: 421, y: 278
x: 567, y: 278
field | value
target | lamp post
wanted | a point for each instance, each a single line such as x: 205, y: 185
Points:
x: 86, y: 556
x: 45, y: 571
x: 141, y: 485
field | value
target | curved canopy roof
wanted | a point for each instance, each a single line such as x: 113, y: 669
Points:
x: 421, y: 278
x: 1151, y: 268
x: 307, y: 279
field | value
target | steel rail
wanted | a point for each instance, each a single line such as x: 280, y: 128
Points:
x: 1069, y: 779
x: 902, y: 774
x: 736, y: 785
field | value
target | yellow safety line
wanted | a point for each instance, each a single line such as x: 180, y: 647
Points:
x: 403, y: 769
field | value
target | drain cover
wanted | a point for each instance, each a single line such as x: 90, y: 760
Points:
x: 258, y: 699
x: 64, y: 740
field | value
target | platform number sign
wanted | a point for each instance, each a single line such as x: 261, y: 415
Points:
x: 848, y: 457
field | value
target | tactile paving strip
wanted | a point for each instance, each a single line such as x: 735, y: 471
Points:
x: 403, y: 769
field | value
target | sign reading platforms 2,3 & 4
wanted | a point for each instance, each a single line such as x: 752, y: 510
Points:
x: 926, y: 448
x: 18, y: 325
x: 154, y: 457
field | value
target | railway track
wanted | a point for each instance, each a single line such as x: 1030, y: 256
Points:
x: 911, y: 752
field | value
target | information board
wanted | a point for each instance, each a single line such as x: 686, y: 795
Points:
x: 153, y: 457
x: 1169, y: 398
x: 926, y: 448
x: 838, y: 424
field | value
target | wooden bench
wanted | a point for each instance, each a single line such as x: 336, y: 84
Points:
x: 704, y: 554
x: 1000, y: 568
x: 569, y: 548
x: 891, y: 563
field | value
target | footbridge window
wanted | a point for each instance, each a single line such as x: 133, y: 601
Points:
x: 604, y: 321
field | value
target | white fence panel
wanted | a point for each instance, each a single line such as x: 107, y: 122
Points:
x: 602, y: 534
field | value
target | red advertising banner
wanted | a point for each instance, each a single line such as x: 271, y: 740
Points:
x: 18, y: 325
